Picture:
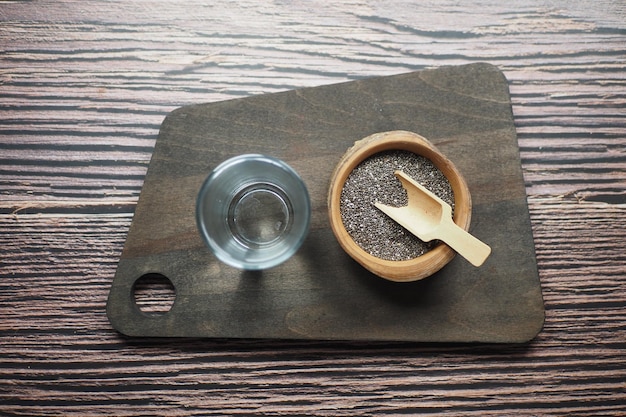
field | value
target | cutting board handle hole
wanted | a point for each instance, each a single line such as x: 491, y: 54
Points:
x: 154, y: 294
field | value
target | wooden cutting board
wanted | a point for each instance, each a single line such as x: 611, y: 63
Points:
x: 321, y: 293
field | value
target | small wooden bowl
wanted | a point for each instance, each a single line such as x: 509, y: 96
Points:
x: 433, y: 260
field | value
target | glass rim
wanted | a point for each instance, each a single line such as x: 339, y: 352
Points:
x: 222, y: 253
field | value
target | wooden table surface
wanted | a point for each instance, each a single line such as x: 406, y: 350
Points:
x: 84, y: 87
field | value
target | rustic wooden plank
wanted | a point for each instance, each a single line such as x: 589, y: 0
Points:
x: 104, y: 74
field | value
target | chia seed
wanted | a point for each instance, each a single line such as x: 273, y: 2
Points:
x: 372, y: 181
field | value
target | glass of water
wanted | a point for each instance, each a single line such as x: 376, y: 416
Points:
x: 253, y: 211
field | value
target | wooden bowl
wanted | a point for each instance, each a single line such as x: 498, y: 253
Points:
x: 431, y: 261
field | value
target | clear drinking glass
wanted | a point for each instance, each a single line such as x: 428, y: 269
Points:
x: 253, y: 211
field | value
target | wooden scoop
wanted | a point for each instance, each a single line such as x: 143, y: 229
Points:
x: 428, y: 217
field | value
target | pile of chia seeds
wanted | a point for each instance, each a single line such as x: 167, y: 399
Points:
x: 372, y: 181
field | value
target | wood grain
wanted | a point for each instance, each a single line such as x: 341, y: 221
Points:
x: 320, y: 293
x: 84, y: 87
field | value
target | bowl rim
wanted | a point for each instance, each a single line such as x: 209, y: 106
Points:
x: 421, y: 266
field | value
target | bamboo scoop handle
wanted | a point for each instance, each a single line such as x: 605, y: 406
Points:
x: 465, y: 244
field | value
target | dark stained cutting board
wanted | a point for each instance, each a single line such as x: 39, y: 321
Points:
x: 321, y: 293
